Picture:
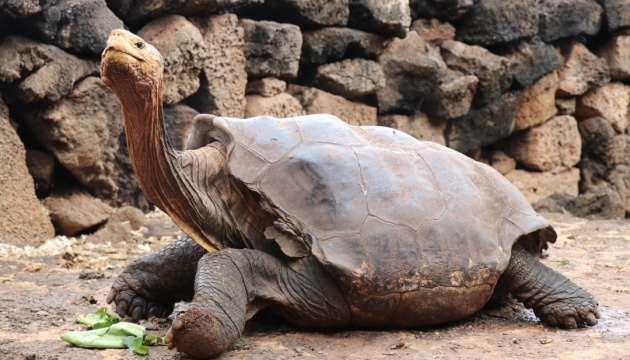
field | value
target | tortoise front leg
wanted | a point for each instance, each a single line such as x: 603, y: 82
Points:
x: 556, y: 300
x: 153, y: 283
x: 233, y: 284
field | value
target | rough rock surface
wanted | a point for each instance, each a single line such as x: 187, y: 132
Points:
x: 441, y: 9
x: 82, y: 132
x: 409, y: 61
x: 271, y: 49
x: 604, y: 144
x: 616, y: 51
x: 610, y: 101
x: 539, y: 185
x: 40, y: 72
x: 617, y: 13
x: 417, y: 125
x: 501, y: 162
x: 495, y: 21
x: 24, y: 8
x: 184, y: 53
x: 334, y: 44
x: 553, y: 146
x: 389, y: 18
x: 315, y: 101
x: 266, y: 87
x: 41, y: 166
x: 306, y: 13
x: 79, y: 26
x: 538, y: 103
x: 23, y: 219
x: 491, y: 70
x: 581, y: 71
x: 601, y: 203
x: 433, y: 31
x: 281, y: 105
x: 566, y: 106
x: 452, y: 96
x: 350, y: 78
x: 137, y: 11
x: 119, y: 226
x: 224, y: 78
x: 530, y: 59
x: 178, y: 120
x: 568, y: 18
x: 76, y: 212
x: 485, y: 125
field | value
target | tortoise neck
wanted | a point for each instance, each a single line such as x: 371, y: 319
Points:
x: 152, y: 155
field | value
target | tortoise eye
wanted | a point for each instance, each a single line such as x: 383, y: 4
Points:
x: 139, y: 44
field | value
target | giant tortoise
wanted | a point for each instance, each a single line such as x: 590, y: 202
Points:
x: 321, y: 223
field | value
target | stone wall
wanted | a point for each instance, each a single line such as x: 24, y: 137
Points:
x: 534, y: 88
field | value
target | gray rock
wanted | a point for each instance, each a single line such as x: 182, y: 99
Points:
x: 178, y: 120
x: 334, y: 44
x: 617, y: 13
x: 40, y: 72
x: 567, y: 18
x: 413, y: 70
x: 389, y: 18
x: 271, y: 49
x: 82, y: 132
x: 531, y: 59
x: 600, y: 203
x: 75, y: 212
x: 492, y: 22
x: 23, y: 219
x: 441, y: 9
x: 224, y: 79
x: 350, y: 78
x: 485, y: 125
x: 79, y: 26
x: 491, y: 70
x: 184, y: 53
x: 452, y: 96
x: 138, y: 11
x: 23, y: 8
x: 307, y: 13
x: 603, y: 144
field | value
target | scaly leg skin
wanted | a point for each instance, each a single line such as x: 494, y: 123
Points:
x: 152, y: 284
x: 556, y: 300
x: 233, y: 284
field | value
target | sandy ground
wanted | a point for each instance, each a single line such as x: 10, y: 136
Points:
x: 41, y: 291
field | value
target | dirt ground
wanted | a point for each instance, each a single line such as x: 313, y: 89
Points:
x: 42, y: 290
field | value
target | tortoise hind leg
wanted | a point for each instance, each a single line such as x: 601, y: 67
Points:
x: 555, y: 299
x: 233, y: 284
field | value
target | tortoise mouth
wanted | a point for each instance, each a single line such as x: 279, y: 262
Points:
x: 111, y: 54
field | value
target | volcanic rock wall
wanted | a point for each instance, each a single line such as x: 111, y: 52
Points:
x: 534, y: 88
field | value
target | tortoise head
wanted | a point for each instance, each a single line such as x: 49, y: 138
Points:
x: 130, y: 66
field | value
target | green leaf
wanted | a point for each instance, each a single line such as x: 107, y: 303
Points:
x: 98, y: 319
x: 136, y: 345
x: 151, y: 340
x: 112, y: 337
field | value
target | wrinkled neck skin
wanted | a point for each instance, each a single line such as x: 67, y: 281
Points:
x: 160, y: 173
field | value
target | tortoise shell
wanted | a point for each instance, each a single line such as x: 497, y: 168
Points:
x: 387, y: 215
